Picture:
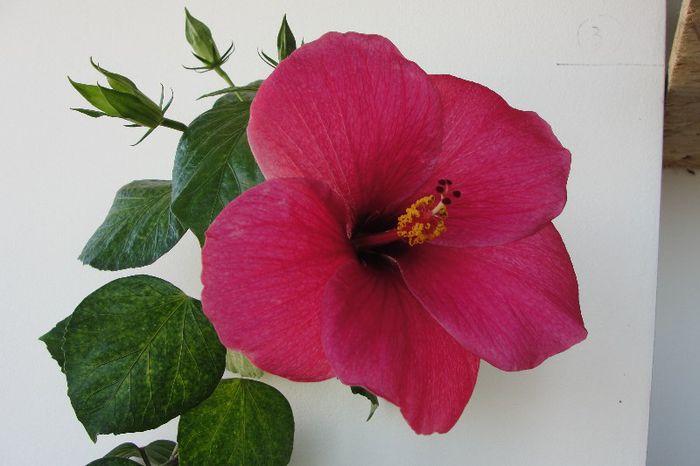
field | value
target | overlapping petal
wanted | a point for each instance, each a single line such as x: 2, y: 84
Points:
x: 351, y: 111
x: 513, y: 305
x: 377, y: 335
x: 349, y: 134
x: 266, y: 260
x: 510, y: 168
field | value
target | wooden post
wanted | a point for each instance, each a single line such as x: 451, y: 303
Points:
x: 682, y: 114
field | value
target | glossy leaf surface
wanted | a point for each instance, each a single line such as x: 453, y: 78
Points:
x: 213, y: 165
x: 139, y: 228
x: 53, y: 339
x: 243, y: 423
x: 139, y: 352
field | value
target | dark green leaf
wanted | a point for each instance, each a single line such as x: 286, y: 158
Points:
x: 237, y: 363
x: 213, y: 165
x: 199, y: 37
x: 139, y: 352
x: 370, y: 396
x: 286, y: 43
x: 112, y: 461
x: 125, y: 450
x: 53, y: 340
x: 139, y: 228
x: 159, y: 452
x: 245, y: 422
x: 226, y: 99
x: 94, y: 95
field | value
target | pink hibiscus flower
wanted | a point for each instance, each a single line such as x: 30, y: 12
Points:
x: 403, y: 235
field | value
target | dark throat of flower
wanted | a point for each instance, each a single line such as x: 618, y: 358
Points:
x: 423, y: 221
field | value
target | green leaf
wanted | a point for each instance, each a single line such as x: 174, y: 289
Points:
x: 112, y: 461
x: 53, y: 340
x: 139, y: 352
x: 286, y: 43
x: 237, y: 363
x: 159, y: 452
x: 370, y: 396
x: 199, y: 37
x: 125, y: 450
x: 244, y: 422
x: 213, y: 165
x: 139, y: 228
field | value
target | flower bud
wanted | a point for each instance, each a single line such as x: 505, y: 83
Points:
x: 286, y: 43
x: 203, y: 46
x: 199, y: 36
x: 122, y: 100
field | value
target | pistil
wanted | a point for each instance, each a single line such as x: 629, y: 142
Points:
x: 376, y: 239
x: 423, y: 221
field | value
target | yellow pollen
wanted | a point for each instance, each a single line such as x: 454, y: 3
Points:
x: 423, y: 221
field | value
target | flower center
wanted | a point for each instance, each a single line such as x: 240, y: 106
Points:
x: 423, y: 221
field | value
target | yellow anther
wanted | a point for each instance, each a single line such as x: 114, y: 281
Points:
x: 423, y: 221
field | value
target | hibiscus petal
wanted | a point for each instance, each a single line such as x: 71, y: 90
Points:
x: 378, y: 336
x: 351, y: 111
x: 512, y: 305
x: 265, y: 262
x: 509, y: 167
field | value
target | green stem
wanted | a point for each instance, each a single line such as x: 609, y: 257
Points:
x: 168, y: 123
x: 226, y: 78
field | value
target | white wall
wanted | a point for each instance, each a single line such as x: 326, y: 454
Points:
x: 60, y: 170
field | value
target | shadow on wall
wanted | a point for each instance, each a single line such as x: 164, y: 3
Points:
x: 674, y: 424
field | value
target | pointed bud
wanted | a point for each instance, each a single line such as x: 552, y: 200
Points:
x: 122, y: 99
x: 132, y: 108
x: 286, y: 43
x: 93, y: 94
x: 124, y: 85
x: 200, y: 39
